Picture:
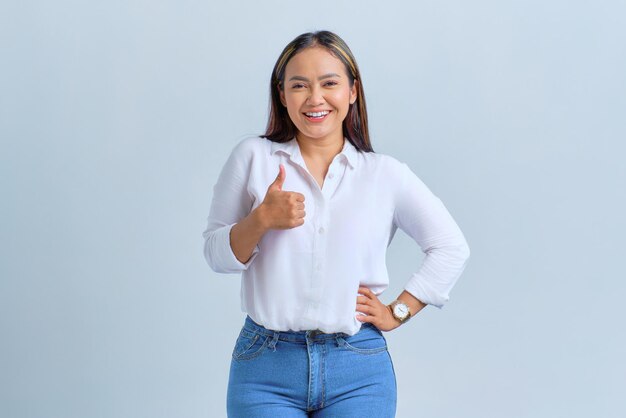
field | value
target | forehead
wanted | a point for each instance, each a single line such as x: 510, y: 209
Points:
x: 314, y: 60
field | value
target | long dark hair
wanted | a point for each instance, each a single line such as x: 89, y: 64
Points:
x: 280, y: 128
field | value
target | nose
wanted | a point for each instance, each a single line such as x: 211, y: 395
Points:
x: 315, y: 97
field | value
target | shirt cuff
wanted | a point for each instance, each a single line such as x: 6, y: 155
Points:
x: 222, y: 257
x: 422, y: 291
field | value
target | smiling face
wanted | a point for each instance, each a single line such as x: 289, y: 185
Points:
x: 317, y: 94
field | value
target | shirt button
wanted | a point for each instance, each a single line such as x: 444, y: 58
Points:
x: 319, y: 266
x: 321, y: 230
x: 331, y: 175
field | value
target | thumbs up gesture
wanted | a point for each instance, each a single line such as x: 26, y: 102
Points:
x: 281, y: 209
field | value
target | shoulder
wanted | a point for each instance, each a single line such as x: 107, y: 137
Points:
x: 398, y: 174
x: 250, y: 145
x: 383, y: 163
x: 243, y: 153
x: 246, y: 149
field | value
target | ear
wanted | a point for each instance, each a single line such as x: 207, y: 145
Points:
x: 281, y: 92
x: 353, y: 92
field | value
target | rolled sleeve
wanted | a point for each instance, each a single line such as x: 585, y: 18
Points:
x: 219, y: 253
x: 423, y: 216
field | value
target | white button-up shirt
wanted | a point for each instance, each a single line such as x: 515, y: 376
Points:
x: 308, y: 277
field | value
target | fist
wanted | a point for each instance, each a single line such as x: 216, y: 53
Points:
x: 282, y: 210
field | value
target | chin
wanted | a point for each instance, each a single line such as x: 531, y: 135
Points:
x: 320, y: 132
x: 315, y: 135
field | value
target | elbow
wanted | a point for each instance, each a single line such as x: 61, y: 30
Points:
x: 212, y: 253
x: 456, y: 255
x: 210, y: 256
x: 459, y: 248
x: 458, y: 251
x: 462, y: 253
x: 465, y: 251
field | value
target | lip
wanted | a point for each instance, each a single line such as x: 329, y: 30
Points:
x: 317, y: 120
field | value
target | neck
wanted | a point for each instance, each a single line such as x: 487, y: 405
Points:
x: 324, y: 149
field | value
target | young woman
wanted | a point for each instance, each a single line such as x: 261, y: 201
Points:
x: 306, y: 213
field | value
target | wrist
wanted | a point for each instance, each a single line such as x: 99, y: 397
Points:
x: 400, y: 311
x: 396, y: 320
x: 258, y: 219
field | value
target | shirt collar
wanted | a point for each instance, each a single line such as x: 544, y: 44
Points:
x: 291, y: 147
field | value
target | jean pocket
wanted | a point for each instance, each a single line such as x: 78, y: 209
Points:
x: 249, y: 345
x: 364, y: 342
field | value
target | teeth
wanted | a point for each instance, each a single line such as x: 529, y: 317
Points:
x: 317, y: 114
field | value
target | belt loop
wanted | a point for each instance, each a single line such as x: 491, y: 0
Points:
x: 272, y: 343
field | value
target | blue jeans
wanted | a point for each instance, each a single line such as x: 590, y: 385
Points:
x: 311, y: 374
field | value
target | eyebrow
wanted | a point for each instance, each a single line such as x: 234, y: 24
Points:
x: 329, y: 75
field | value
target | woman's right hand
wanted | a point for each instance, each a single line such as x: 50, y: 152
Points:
x: 281, y: 209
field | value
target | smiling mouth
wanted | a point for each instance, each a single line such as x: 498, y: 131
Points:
x: 317, y: 116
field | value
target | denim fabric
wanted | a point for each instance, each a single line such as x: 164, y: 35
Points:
x: 311, y: 374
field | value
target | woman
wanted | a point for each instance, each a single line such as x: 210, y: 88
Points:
x: 312, y: 343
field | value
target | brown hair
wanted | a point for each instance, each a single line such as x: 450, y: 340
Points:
x: 280, y: 128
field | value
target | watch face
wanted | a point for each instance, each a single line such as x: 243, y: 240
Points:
x: 401, y: 310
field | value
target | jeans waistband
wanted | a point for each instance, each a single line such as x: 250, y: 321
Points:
x: 316, y: 334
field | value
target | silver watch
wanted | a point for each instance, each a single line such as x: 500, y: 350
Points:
x: 400, y: 311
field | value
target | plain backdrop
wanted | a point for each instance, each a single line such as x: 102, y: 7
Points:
x: 116, y: 117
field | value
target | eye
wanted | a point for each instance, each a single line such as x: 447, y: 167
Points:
x: 297, y: 86
x: 330, y: 83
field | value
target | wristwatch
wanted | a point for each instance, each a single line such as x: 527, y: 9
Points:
x: 400, y: 311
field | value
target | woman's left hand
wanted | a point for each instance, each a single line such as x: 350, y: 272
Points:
x: 376, y: 312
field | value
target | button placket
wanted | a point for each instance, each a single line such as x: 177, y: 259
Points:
x: 335, y: 171
x: 319, y: 249
x: 322, y: 198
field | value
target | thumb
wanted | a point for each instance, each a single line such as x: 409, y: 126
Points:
x: 280, y: 179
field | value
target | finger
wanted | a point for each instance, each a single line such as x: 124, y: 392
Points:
x: 365, y: 291
x: 299, y: 197
x: 362, y: 300
x: 362, y: 318
x: 277, y: 184
x: 366, y: 309
x: 294, y: 197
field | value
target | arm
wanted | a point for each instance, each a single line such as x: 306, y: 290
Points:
x: 424, y: 218
x: 246, y: 234
x: 230, y: 206
x: 422, y: 215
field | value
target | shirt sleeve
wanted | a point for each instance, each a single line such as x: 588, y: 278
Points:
x: 423, y: 216
x: 231, y: 202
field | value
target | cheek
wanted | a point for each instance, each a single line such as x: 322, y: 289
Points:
x: 293, y: 110
x: 342, y: 110
x: 342, y: 101
x: 293, y: 104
